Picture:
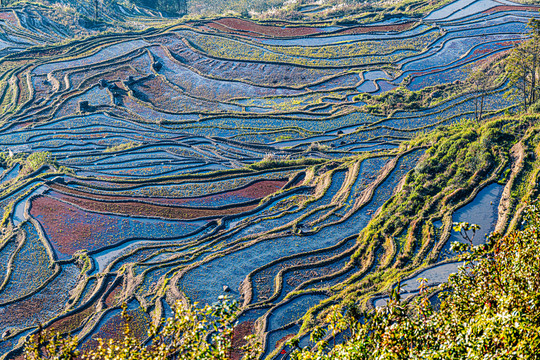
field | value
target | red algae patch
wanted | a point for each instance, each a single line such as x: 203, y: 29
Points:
x: 511, y: 8
x: 255, y: 191
x: 71, y: 322
x: 241, y: 330
x: 70, y: 228
x: 377, y: 28
x: 9, y: 17
x: 133, y: 208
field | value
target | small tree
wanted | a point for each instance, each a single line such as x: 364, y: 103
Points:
x: 523, y: 68
x: 479, y: 79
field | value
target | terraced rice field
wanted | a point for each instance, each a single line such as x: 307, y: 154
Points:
x: 157, y: 191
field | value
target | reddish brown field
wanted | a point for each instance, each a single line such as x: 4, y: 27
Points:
x: 133, y: 208
x: 511, y: 8
x: 111, y: 298
x: 70, y: 228
x: 240, y: 332
x: 55, y: 215
x: 9, y: 17
x: 379, y: 28
x: 284, y: 339
x: 72, y: 322
x: 493, y: 58
x: 255, y: 191
x: 239, y: 25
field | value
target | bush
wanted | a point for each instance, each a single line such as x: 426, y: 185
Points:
x: 490, y: 309
x: 535, y: 108
x: 193, y: 333
x: 37, y: 159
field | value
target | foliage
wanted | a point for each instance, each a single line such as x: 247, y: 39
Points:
x: 46, y: 346
x: 523, y: 68
x: 480, y: 81
x: 121, y: 147
x: 457, y: 155
x: 490, y: 309
x: 193, y: 333
x: 35, y: 160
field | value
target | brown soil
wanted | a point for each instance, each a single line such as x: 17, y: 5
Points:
x: 517, y: 154
x: 128, y: 208
x: 240, y: 332
x: 239, y: 25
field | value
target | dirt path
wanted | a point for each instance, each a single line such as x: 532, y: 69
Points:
x: 517, y: 154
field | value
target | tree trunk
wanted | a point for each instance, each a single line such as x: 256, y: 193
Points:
x: 482, y: 105
x: 524, y: 89
x: 533, y: 80
x: 533, y: 71
x: 476, y: 108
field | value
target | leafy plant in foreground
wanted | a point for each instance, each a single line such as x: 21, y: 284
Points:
x: 490, y: 308
x: 202, y: 333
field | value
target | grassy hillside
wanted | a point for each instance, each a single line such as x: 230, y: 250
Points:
x: 459, y: 161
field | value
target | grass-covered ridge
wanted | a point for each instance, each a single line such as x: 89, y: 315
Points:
x: 459, y: 161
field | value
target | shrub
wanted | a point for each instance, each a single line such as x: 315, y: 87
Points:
x: 202, y: 333
x: 37, y: 159
x: 490, y: 309
x: 535, y: 108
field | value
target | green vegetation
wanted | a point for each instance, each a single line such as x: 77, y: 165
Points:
x: 523, y: 67
x: 482, y: 79
x: 37, y: 159
x: 121, y: 147
x: 271, y: 162
x: 489, y: 309
x: 193, y: 333
x: 459, y: 161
